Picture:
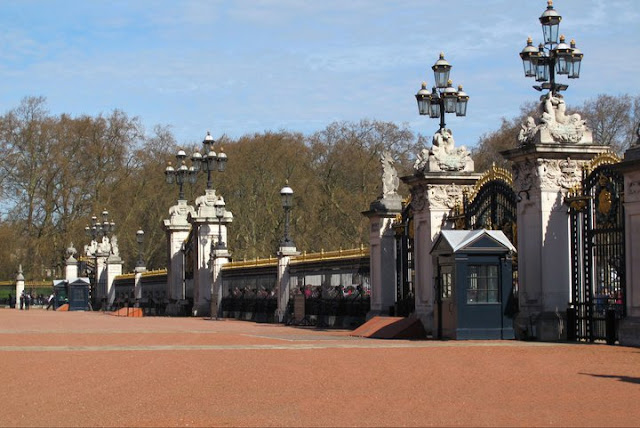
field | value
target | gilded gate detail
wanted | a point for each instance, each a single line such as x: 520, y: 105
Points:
x: 597, y: 255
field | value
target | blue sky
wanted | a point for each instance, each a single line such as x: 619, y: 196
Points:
x: 237, y: 67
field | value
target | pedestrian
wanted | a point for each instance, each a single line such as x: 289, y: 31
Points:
x: 22, y: 300
x: 50, y: 301
x: 27, y: 301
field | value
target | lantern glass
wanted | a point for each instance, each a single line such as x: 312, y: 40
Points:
x: 193, y: 175
x: 441, y: 74
x: 211, y: 160
x: 423, y: 97
x: 575, y: 68
x: 450, y: 103
x: 528, y: 55
x: 287, y: 197
x: 423, y: 105
x: 542, y: 70
x: 562, y: 65
x: 222, y: 161
x: 550, y: 31
x: 169, y: 173
x: 219, y: 207
x: 434, y: 109
x: 196, y: 160
x: 576, y: 60
x: 441, y: 71
x: 461, y: 104
x: 529, y: 69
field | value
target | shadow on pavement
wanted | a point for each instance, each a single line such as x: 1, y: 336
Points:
x: 629, y: 379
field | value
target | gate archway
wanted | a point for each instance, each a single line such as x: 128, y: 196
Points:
x: 597, y: 253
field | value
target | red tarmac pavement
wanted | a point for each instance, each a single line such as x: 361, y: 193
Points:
x: 89, y: 369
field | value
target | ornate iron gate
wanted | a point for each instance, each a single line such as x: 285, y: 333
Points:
x: 597, y: 253
x: 492, y: 204
x: 403, y: 230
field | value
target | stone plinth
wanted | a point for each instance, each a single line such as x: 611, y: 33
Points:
x: 177, y: 229
x: 434, y: 195
x: 282, y: 290
x: 543, y: 175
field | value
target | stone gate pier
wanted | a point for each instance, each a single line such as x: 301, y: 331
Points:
x: 552, y: 149
x: 441, y: 175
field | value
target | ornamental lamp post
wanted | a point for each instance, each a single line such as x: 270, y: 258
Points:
x: 219, y: 206
x: 286, y: 194
x: 551, y: 57
x: 182, y: 174
x: 140, y: 241
x: 443, y: 98
x: 98, y: 229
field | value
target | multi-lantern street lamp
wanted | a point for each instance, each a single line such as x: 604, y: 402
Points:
x: 208, y: 161
x: 551, y: 58
x: 182, y: 174
x: 99, y: 229
x: 443, y: 97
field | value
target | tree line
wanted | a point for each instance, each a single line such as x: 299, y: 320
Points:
x: 56, y: 171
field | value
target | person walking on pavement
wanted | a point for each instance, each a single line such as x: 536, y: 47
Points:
x: 22, y: 300
x: 50, y: 302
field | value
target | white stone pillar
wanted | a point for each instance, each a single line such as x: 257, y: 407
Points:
x: 543, y: 175
x: 102, y: 288
x: 629, y: 330
x: 382, y: 249
x: 220, y: 257
x: 19, y: 286
x: 71, y: 269
x: 137, y: 284
x: 177, y: 228
x: 113, y: 269
x: 71, y: 264
x: 282, y: 292
x: 434, y: 196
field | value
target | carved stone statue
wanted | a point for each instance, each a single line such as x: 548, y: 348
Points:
x: 114, y: 246
x: 443, y: 155
x: 554, y: 125
x: 71, y: 253
x: 90, y: 250
x: 104, y: 246
x: 390, y: 179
